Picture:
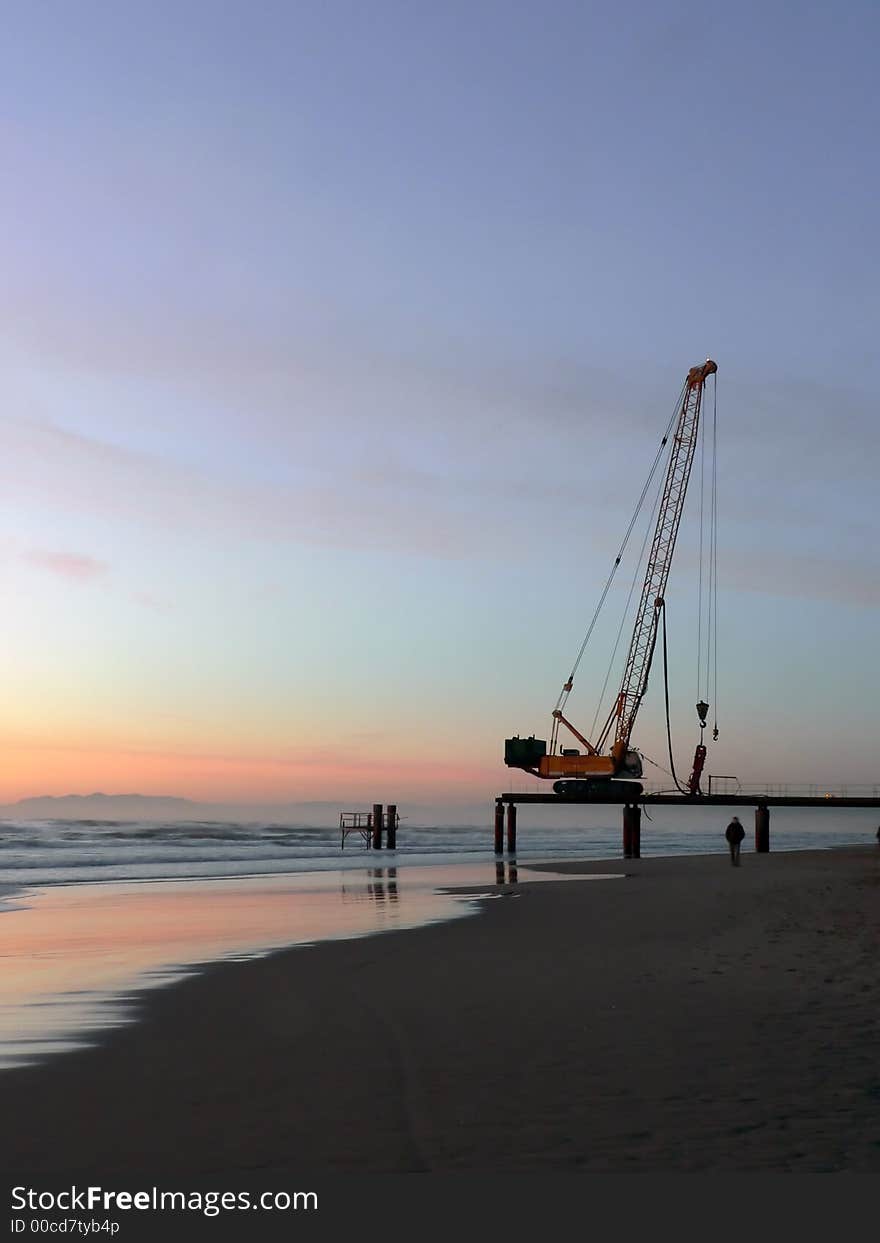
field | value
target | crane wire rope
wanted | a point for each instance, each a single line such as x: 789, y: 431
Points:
x: 654, y: 764
x: 700, y: 562
x: 715, y: 541
x: 707, y: 595
x: 708, y: 607
x: 635, y: 578
x: 711, y: 591
x: 678, y: 784
x: 711, y: 600
x: 707, y: 683
x: 566, y: 689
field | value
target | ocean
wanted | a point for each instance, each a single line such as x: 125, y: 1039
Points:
x: 50, y: 852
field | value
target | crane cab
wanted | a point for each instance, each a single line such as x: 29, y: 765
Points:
x: 531, y: 755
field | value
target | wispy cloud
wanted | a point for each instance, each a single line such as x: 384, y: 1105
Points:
x: 339, y: 507
x: 150, y: 601
x: 70, y: 565
x: 804, y: 577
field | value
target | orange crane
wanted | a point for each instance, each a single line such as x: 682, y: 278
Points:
x: 575, y: 771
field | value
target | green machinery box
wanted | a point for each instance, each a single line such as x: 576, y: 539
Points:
x: 523, y: 752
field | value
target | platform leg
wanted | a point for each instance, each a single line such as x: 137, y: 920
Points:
x: 635, y: 832
x: 499, y: 828
x: 511, y: 828
x: 377, y: 826
x: 627, y: 833
x: 762, y: 829
x: 391, y: 827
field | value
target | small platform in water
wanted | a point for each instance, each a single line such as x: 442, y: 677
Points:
x: 369, y: 826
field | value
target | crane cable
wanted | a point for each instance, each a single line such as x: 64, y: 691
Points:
x: 566, y: 689
x: 711, y: 590
x: 678, y: 784
x: 700, y: 560
x: 625, y: 613
x: 707, y: 600
x: 715, y: 542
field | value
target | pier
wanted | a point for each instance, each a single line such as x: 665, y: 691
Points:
x: 617, y: 795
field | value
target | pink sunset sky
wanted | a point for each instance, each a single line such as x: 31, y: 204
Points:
x: 336, y: 346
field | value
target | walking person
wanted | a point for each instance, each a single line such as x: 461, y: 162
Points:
x: 734, y: 834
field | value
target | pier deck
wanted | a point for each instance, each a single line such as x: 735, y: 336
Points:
x: 615, y: 798
x: 617, y: 795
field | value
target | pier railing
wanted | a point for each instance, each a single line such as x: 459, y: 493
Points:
x: 775, y: 789
x: 359, y: 822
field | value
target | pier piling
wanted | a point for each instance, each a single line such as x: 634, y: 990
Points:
x: 632, y: 831
x: 762, y: 829
x: 636, y: 831
x: 377, y: 826
x: 511, y: 828
x: 499, y: 827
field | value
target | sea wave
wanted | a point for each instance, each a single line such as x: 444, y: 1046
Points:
x: 66, y: 851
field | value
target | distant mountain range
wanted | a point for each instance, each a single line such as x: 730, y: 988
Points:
x: 100, y: 806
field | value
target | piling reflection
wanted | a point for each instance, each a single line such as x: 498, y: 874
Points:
x: 382, y: 884
x: 375, y: 885
x: 510, y: 876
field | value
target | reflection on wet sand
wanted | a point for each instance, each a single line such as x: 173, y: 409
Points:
x: 512, y: 875
x: 380, y: 886
x: 377, y: 884
x: 75, y: 956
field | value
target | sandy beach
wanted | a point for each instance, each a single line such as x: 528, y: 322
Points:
x: 690, y: 1017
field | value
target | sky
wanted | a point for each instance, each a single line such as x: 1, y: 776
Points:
x: 337, y: 339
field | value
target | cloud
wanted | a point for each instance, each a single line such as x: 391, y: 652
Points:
x: 150, y: 601
x: 262, y: 371
x: 67, y: 564
x: 803, y: 577
x: 398, y: 508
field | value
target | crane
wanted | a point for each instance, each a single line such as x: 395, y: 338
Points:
x: 573, y: 770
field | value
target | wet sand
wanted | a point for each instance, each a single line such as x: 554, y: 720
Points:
x: 692, y: 1017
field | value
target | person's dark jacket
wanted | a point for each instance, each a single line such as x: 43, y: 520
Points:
x: 735, y: 832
